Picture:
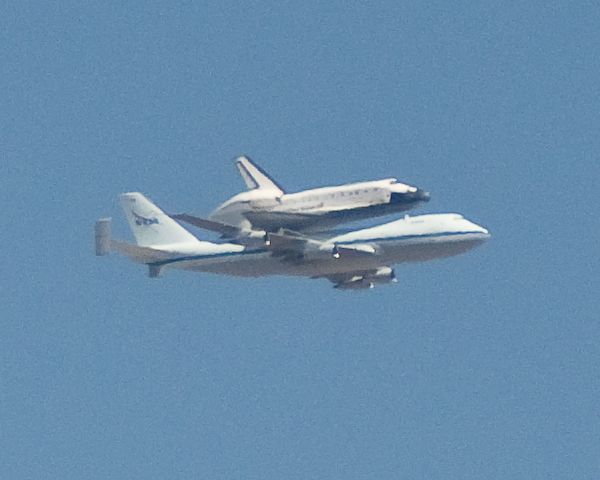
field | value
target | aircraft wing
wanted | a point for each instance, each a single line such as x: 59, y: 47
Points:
x: 289, y: 244
x: 281, y: 242
x: 222, y: 228
x: 232, y: 234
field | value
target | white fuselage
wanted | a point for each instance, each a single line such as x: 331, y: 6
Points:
x: 317, y: 209
x: 410, y: 239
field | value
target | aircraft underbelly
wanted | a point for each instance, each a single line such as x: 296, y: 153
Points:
x: 424, y: 251
x: 256, y: 264
x: 258, y: 267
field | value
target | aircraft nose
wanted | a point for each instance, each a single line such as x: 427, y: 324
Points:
x: 483, y: 231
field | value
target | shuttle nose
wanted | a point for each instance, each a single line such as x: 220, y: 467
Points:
x: 410, y: 198
x: 422, y: 195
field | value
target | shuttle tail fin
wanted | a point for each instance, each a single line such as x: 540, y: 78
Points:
x: 255, y: 177
x: 150, y: 225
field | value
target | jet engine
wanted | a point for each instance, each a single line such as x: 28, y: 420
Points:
x: 356, y: 283
x: 381, y: 276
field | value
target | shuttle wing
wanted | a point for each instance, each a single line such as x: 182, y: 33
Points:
x: 275, y: 220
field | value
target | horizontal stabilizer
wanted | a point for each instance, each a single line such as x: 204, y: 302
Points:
x: 103, y: 235
x: 138, y: 253
x: 105, y: 244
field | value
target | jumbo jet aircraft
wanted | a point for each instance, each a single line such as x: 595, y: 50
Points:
x: 267, y: 206
x: 352, y: 260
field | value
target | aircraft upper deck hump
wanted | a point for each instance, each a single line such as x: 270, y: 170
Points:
x: 255, y: 177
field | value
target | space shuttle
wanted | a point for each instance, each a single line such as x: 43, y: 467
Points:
x: 268, y: 207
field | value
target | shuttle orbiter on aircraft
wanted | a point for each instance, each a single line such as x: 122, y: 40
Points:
x: 266, y: 206
x: 352, y: 260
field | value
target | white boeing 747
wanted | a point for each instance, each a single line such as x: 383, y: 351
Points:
x: 266, y: 206
x: 352, y: 260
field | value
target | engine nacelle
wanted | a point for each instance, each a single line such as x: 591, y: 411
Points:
x: 359, y: 282
x: 382, y: 275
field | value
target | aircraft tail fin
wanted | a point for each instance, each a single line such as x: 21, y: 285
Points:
x: 255, y: 177
x: 150, y: 225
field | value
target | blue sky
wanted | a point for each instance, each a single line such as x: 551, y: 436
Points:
x: 480, y: 366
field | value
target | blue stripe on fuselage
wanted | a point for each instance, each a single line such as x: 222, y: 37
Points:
x: 264, y: 250
x: 202, y: 257
x: 411, y: 237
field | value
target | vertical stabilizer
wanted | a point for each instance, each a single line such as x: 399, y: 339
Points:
x: 150, y: 225
x: 255, y: 177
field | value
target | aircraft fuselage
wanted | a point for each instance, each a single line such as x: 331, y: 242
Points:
x: 412, y: 239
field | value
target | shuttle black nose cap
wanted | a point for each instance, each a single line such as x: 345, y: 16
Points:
x: 410, y: 198
x: 422, y: 195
